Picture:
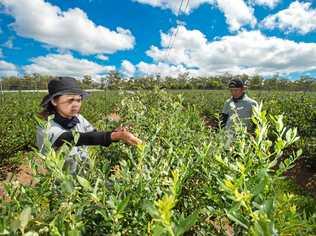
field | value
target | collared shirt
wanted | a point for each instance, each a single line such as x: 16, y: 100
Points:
x: 239, y: 110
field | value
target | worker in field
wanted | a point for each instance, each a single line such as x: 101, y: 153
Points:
x: 64, y: 101
x: 239, y: 107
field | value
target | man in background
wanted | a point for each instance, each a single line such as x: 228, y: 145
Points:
x: 239, y: 107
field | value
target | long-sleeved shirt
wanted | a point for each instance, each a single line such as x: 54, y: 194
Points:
x: 240, y: 109
x: 60, y: 130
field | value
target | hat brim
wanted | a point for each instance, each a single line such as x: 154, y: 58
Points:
x: 235, y: 85
x: 50, y: 97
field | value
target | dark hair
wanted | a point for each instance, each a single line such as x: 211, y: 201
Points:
x: 48, y: 110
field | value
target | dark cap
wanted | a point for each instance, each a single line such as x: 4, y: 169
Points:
x: 236, y: 83
x: 62, y: 86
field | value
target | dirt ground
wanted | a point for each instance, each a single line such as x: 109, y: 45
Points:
x: 304, y: 174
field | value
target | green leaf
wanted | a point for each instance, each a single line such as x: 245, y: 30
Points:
x: 84, y: 183
x: 158, y: 230
x: 122, y: 205
x: 234, y: 216
x: 67, y: 186
x: 263, y: 228
x: 150, y: 208
x: 186, y: 223
x: 279, y: 125
x: 299, y: 152
x: 53, y: 229
x: 74, y: 232
x: 261, y: 182
x: 268, y: 207
x: 288, y: 135
x: 5, y: 232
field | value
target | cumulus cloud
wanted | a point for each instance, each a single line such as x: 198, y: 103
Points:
x: 298, y: 17
x: 164, y: 69
x: 248, y: 52
x: 8, y: 69
x: 237, y: 12
x: 269, y: 3
x: 102, y: 57
x: 127, y: 68
x: 66, y: 65
x: 71, y: 29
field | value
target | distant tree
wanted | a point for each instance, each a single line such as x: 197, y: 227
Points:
x: 271, y: 83
x: 114, y: 78
x: 87, y: 81
x: 307, y: 83
x: 103, y: 82
x: 256, y: 82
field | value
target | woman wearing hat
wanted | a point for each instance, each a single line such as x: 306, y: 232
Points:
x: 64, y: 102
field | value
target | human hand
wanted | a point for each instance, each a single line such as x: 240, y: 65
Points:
x: 120, y: 129
x: 126, y: 137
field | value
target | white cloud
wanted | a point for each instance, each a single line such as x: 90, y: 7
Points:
x: 71, y: 29
x: 184, y: 44
x: 237, y: 12
x: 8, y: 69
x: 298, y: 17
x: 248, y: 52
x: 269, y: 3
x: 102, y: 57
x: 164, y: 69
x: 174, y: 5
x: 127, y: 68
x: 66, y: 65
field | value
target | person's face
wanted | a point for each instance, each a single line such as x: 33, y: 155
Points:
x: 237, y: 92
x: 68, y: 106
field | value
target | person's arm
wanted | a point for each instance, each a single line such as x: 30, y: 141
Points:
x: 98, y: 138
x: 89, y: 138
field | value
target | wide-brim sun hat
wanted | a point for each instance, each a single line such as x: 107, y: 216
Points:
x: 62, y: 85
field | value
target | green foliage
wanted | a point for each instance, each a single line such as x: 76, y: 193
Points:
x: 185, y: 178
x: 115, y: 80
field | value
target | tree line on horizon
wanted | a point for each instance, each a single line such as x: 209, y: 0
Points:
x: 114, y: 80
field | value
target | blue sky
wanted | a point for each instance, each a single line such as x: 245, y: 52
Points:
x: 151, y: 37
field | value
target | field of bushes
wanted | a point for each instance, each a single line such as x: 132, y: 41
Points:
x: 183, y: 179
